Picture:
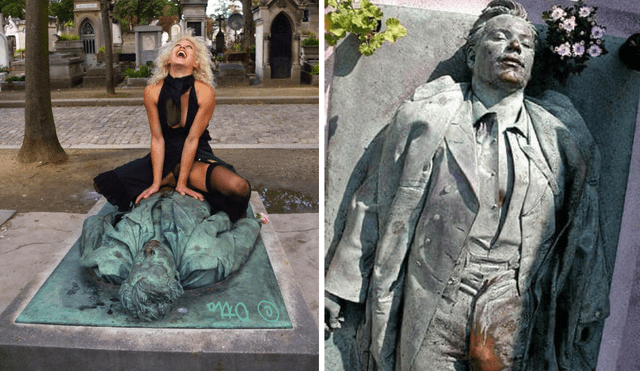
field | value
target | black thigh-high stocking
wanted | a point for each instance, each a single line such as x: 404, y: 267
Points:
x: 227, y: 191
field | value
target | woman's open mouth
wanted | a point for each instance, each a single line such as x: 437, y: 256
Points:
x: 182, y: 54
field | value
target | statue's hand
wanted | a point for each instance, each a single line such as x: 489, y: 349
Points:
x: 184, y: 190
x: 332, y: 308
x: 148, y: 192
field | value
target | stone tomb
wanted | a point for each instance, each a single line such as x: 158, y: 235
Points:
x: 66, y: 70
x: 148, y: 41
x: 123, y: 343
x: 5, y: 61
x: 96, y: 77
x: 232, y: 74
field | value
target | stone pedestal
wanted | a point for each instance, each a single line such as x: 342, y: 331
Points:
x: 66, y: 347
x: 137, y: 82
x: 18, y: 66
x: 74, y: 47
x: 5, y: 61
x: 148, y: 41
x: 65, y: 70
x: 310, y: 54
x: 232, y: 74
x: 306, y: 77
x: 96, y: 77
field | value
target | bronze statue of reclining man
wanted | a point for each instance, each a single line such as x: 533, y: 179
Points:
x: 167, y: 243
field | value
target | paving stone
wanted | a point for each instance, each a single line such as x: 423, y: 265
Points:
x: 236, y: 124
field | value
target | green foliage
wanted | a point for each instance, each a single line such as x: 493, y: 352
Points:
x: 136, y: 12
x: 144, y: 72
x: 68, y: 37
x: 63, y: 9
x: 102, y: 49
x: 19, y: 53
x: 15, y: 78
x: 71, y: 24
x: 363, y: 21
x: 12, y: 8
x: 5, y: 69
x: 169, y: 15
x: 237, y: 47
x: 252, y: 48
x: 315, y: 70
x: 311, y: 40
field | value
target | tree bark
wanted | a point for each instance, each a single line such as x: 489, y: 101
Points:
x: 40, y: 141
x: 108, y: 45
x: 249, y: 25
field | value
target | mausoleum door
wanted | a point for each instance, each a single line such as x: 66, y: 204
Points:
x: 280, y: 47
x: 88, y: 37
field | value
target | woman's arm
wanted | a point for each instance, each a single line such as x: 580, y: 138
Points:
x: 207, y: 104
x: 151, y: 94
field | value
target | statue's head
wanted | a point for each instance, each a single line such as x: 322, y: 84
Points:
x: 500, y: 46
x: 153, y: 286
x: 197, y: 57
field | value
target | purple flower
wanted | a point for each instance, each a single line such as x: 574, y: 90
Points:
x: 563, y: 50
x: 594, y: 51
x: 183, y: 310
x: 569, y: 24
x: 557, y: 13
x: 597, y: 32
x: 584, y: 11
x: 578, y: 49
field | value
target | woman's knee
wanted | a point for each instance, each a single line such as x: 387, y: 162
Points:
x: 241, y: 188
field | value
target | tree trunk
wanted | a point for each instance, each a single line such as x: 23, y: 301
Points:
x: 40, y: 141
x: 108, y: 45
x: 249, y: 25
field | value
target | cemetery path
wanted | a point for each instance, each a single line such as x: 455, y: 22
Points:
x: 235, y: 125
x: 221, y: 92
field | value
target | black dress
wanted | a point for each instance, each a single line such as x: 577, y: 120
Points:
x: 124, y: 184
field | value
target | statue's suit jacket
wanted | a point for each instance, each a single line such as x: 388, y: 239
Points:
x: 207, y: 248
x: 423, y: 162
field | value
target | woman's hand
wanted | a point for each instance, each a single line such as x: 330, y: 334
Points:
x: 184, y: 190
x: 148, y: 192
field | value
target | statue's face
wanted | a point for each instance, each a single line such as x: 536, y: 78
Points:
x: 503, y: 57
x: 155, y: 262
x: 183, y: 53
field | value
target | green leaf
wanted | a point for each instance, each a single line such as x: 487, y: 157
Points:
x: 340, y: 23
x: 394, y: 30
x: 333, y: 3
x: 370, y: 10
x: 377, y: 40
x: 365, y: 49
x: 331, y: 39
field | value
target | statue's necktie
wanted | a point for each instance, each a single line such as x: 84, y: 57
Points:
x: 487, y: 160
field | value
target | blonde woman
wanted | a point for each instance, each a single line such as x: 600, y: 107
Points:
x: 180, y: 101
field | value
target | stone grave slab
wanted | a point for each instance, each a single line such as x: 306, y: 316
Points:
x: 6, y: 215
x: 74, y: 330
x: 72, y: 295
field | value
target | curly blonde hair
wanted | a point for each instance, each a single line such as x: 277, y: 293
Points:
x: 203, y: 58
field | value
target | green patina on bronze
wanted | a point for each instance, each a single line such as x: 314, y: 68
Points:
x: 249, y: 298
